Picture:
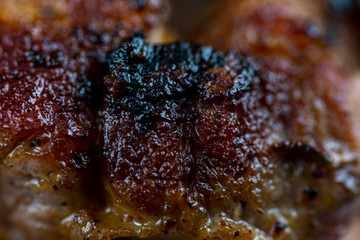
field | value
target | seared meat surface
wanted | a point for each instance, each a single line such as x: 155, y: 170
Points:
x: 284, y: 36
x: 177, y: 141
x: 200, y: 144
x: 46, y: 130
x: 279, y: 34
x: 51, y: 55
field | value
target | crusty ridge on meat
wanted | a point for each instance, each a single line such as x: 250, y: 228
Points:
x: 200, y: 144
x: 51, y: 56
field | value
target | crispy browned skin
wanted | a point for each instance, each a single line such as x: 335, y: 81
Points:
x: 51, y: 55
x: 199, y: 144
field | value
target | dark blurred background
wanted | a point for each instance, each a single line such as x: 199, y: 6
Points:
x: 344, y: 16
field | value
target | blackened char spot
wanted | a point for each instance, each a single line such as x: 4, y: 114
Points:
x: 142, y: 76
x: 155, y: 72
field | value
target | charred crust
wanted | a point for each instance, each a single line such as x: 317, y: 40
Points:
x: 142, y: 76
x: 155, y: 72
x: 160, y: 91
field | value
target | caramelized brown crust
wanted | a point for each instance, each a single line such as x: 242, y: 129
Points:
x: 51, y: 60
x: 199, y: 144
x: 286, y: 40
x: 45, y: 132
x: 284, y: 37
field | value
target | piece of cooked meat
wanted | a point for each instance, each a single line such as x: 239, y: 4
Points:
x: 51, y: 56
x: 196, y: 143
x: 199, y: 144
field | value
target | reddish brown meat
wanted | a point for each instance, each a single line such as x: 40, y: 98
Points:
x: 198, y: 144
x: 195, y: 143
x: 284, y: 37
x: 197, y: 149
x: 51, y: 56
